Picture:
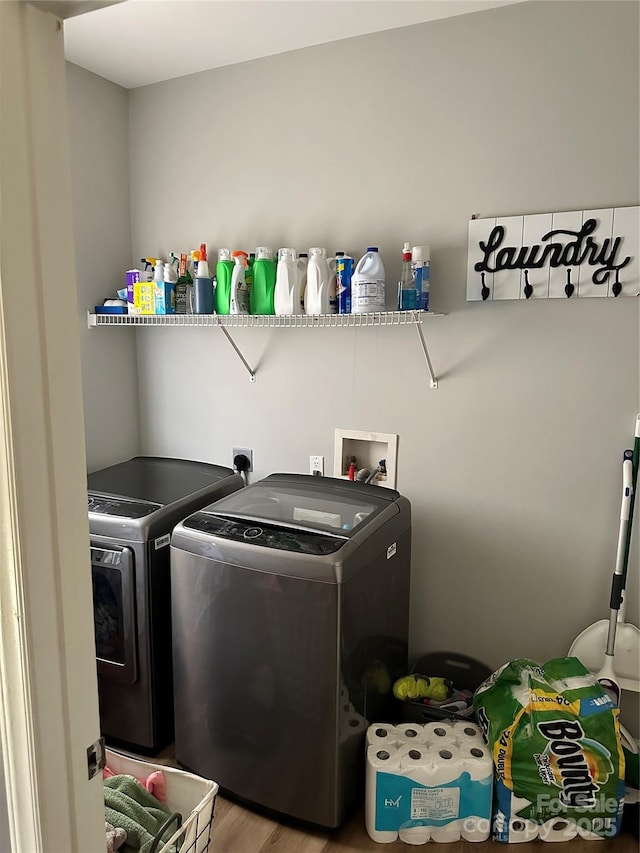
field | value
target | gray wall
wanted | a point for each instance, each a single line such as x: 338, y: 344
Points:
x: 99, y: 141
x: 513, y: 465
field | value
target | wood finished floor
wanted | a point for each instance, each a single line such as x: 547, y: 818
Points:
x: 237, y: 829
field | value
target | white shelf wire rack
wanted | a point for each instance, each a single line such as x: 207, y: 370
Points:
x: 288, y: 321
x: 260, y: 321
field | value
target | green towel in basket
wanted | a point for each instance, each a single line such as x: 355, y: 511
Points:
x: 129, y: 805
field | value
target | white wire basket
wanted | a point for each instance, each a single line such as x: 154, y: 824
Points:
x: 189, y: 797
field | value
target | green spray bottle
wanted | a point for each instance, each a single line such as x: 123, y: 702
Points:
x: 264, y: 282
x: 224, y: 273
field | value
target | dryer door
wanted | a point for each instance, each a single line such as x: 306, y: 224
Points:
x: 114, y: 612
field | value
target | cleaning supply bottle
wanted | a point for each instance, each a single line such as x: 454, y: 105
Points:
x: 183, y: 285
x: 239, y: 297
x: 316, y: 299
x: 344, y: 273
x: 224, y: 274
x: 165, y: 295
x: 203, y: 285
x: 303, y: 260
x: 287, y: 292
x: 264, y: 282
x: 248, y: 273
x: 333, y: 285
x: 368, y: 283
x: 421, y: 267
x: 407, y: 300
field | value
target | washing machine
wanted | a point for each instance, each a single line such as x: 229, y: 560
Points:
x: 133, y: 507
x: 290, y: 608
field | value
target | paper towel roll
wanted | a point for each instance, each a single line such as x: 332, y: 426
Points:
x: 434, y: 733
x: 413, y: 756
x: 558, y: 829
x: 449, y: 832
x: 475, y: 829
x: 383, y: 758
x: 410, y: 733
x: 466, y: 729
x: 589, y: 834
x: 380, y: 734
x: 415, y: 834
x: 519, y: 829
x: 477, y: 761
x: 447, y: 764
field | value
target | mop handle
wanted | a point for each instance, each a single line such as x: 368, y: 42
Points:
x: 617, y: 582
x: 627, y: 547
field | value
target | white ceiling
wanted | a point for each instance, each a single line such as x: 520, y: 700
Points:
x: 138, y: 42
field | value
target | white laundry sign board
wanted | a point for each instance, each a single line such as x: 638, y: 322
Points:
x: 562, y: 255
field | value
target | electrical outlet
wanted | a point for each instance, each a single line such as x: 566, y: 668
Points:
x: 316, y: 465
x: 243, y: 450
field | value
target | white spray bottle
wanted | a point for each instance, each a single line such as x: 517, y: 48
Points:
x: 239, y: 300
x: 287, y: 293
x: 317, y: 298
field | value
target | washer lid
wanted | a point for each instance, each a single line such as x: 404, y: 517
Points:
x: 302, y: 502
x: 156, y: 479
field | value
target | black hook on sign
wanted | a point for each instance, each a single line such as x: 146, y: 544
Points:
x: 617, y: 287
x: 528, y: 289
x: 485, y: 289
x: 569, y: 288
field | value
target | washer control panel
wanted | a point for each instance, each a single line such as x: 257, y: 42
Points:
x: 264, y: 534
x: 120, y: 507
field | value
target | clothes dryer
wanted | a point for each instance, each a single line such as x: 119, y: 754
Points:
x: 133, y: 507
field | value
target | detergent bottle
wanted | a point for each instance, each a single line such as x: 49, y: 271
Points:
x: 248, y: 273
x: 287, y: 292
x: 202, y: 285
x: 224, y: 274
x: 264, y: 282
x: 239, y: 297
x: 319, y: 276
x: 303, y: 260
x: 368, y: 283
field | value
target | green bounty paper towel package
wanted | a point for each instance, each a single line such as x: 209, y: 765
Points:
x: 555, y: 740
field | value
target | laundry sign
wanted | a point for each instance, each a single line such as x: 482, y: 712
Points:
x: 563, y: 255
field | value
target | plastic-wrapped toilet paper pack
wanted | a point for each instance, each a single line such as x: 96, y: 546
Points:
x: 424, y: 791
x: 555, y: 741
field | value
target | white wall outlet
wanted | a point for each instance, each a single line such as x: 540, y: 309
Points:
x: 237, y: 451
x: 316, y: 465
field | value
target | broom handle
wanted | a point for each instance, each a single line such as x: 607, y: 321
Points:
x: 617, y: 582
x: 620, y: 603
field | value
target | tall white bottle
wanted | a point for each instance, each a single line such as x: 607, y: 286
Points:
x: 239, y: 298
x: 368, y: 283
x: 317, y: 299
x: 287, y: 293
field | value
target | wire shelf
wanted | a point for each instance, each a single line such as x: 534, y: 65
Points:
x: 288, y: 321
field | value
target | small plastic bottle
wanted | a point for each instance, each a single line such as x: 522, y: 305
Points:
x: 407, y: 297
x: 421, y: 268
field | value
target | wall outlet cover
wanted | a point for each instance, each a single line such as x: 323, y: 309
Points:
x: 246, y: 451
x: 316, y: 465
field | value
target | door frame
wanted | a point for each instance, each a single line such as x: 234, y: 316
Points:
x: 48, y: 683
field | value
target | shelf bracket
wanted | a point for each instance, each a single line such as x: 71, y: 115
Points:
x: 250, y: 371
x: 432, y: 377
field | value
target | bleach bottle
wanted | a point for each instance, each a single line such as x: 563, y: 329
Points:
x: 224, y: 274
x: 368, y: 283
x: 287, y: 291
x: 317, y: 298
x: 239, y: 296
x: 264, y: 282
